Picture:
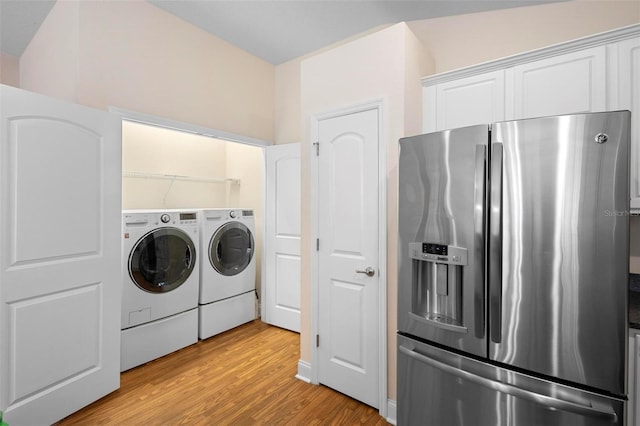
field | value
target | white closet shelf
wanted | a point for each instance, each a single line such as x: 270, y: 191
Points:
x: 145, y: 175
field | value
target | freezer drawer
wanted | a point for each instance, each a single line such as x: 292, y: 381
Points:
x: 440, y: 388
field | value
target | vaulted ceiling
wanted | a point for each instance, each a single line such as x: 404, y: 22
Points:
x: 274, y: 30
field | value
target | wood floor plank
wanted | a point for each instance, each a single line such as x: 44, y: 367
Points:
x: 245, y: 376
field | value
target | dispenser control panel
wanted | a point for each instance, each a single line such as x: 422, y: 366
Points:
x: 439, y: 253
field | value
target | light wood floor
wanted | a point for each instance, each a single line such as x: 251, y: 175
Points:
x: 245, y: 376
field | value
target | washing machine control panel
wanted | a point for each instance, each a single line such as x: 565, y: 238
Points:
x: 188, y: 218
x: 232, y: 214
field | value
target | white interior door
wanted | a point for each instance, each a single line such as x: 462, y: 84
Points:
x: 282, y: 236
x: 348, y: 320
x: 60, y: 285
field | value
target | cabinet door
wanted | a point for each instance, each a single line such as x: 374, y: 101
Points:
x: 629, y: 98
x: 565, y: 84
x: 470, y: 101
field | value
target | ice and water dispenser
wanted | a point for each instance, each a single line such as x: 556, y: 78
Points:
x: 437, y: 282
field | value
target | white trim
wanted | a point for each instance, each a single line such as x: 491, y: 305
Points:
x: 392, y: 411
x: 304, y: 371
x: 262, y: 306
x: 535, y: 55
x: 379, y: 105
x: 182, y: 126
x: 260, y: 303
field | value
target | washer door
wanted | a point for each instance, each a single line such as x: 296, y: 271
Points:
x: 162, y: 260
x: 231, y: 248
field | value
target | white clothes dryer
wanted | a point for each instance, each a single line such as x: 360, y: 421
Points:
x: 161, y: 273
x: 227, y: 270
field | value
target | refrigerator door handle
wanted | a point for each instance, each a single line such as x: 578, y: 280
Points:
x: 478, y: 230
x: 546, y: 401
x: 495, y: 244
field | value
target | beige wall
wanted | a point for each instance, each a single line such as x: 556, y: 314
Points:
x: 9, y: 70
x: 135, y: 56
x: 155, y: 150
x: 49, y: 65
x: 287, y: 106
x: 464, y: 40
x: 385, y: 65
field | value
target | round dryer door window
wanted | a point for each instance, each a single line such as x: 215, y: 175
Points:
x: 231, y: 248
x: 162, y: 260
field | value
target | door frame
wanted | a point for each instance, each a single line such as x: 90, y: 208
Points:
x: 379, y: 106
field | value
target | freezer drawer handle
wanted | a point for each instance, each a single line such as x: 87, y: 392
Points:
x: 544, y: 400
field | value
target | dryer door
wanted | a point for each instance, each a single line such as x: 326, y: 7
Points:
x: 231, y: 248
x: 162, y: 260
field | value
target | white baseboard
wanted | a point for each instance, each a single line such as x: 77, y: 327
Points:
x: 304, y: 371
x: 391, y: 411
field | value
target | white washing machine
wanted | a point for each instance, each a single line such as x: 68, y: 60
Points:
x: 227, y: 270
x: 161, y: 283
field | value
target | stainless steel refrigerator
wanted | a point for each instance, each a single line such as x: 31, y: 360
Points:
x: 513, y: 271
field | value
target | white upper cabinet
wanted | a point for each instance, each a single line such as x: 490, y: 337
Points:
x: 569, y: 78
x: 592, y: 74
x: 570, y: 83
x: 478, y: 99
x: 628, y: 97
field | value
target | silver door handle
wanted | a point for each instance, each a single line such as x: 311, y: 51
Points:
x: 548, y: 402
x: 495, y: 244
x: 368, y: 271
x: 479, y: 236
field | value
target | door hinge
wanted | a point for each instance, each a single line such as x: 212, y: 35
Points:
x: 317, y: 340
x: 317, y: 147
x: 317, y: 244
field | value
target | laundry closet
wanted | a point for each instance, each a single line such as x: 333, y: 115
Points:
x: 191, y: 232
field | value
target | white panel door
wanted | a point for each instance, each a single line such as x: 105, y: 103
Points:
x: 469, y: 101
x: 566, y: 84
x: 348, y: 243
x: 60, y: 285
x: 282, y: 236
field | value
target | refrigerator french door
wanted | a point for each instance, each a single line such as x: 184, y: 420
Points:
x: 513, y: 264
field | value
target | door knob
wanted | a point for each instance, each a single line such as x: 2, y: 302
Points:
x: 368, y: 271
